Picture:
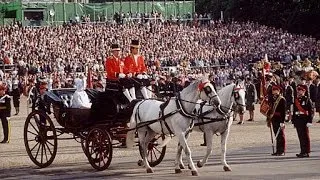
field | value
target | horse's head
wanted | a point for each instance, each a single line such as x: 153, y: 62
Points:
x: 208, y: 93
x: 239, y: 96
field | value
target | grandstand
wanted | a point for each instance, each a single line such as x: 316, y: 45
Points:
x: 53, y: 12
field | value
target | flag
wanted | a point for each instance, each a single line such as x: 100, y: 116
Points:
x: 265, y: 69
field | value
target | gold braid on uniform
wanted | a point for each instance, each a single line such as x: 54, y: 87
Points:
x: 274, y: 107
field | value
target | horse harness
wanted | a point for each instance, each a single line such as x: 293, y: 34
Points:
x: 226, y: 115
x: 162, y: 116
x: 180, y: 109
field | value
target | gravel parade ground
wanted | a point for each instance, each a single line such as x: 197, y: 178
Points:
x: 248, y: 154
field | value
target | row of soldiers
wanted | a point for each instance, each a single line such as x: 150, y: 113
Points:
x: 291, y: 102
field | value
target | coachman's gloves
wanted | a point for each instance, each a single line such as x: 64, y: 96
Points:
x: 309, y: 124
x: 121, y: 75
x: 139, y: 76
x: 282, y: 125
x: 145, y: 76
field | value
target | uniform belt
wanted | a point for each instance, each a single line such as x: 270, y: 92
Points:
x: 299, y: 113
x: 1, y: 108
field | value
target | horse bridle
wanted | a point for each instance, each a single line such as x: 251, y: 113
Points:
x: 236, y: 96
x: 208, y: 90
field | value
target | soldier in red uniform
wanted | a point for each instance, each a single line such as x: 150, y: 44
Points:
x: 115, y: 72
x: 5, y: 111
x: 276, y: 117
x: 302, y: 119
x: 135, y: 67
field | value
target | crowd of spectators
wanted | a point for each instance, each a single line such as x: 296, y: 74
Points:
x: 64, y: 50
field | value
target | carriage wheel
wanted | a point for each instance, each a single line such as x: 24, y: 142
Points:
x: 83, y: 142
x: 83, y: 145
x: 99, y: 149
x: 155, y: 153
x: 40, y: 138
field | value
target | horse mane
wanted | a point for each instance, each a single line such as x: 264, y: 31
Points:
x: 191, y: 88
x: 226, y: 91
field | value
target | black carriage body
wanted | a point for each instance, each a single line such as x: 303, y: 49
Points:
x: 107, y: 107
x: 96, y: 127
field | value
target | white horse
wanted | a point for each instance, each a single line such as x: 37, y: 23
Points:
x: 148, y: 118
x: 211, y: 121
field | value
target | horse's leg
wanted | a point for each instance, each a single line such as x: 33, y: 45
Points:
x: 224, y: 138
x: 209, y: 138
x: 145, y: 137
x: 178, y: 162
x: 183, y: 143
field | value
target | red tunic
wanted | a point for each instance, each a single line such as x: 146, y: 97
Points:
x: 114, y: 66
x: 132, y: 67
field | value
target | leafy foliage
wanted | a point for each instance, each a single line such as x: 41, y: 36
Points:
x: 298, y: 16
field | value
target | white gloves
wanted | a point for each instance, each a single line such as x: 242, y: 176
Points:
x: 145, y: 76
x: 129, y: 75
x: 121, y: 75
x: 139, y: 76
x: 282, y: 125
x: 309, y: 125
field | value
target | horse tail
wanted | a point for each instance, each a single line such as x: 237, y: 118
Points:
x: 132, y: 125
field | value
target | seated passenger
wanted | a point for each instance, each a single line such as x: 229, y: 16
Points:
x: 80, y: 97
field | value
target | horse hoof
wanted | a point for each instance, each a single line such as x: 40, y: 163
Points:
x: 226, y: 168
x: 140, y: 162
x: 199, y: 164
x: 181, y: 166
x: 149, y: 170
x: 177, y: 171
x: 194, y: 173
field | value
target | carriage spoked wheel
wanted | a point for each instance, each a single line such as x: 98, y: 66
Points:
x: 40, y: 138
x: 83, y: 143
x: 154, y: 151
x: 99, y: 149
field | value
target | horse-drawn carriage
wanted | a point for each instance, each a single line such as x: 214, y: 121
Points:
x: 97, y: 129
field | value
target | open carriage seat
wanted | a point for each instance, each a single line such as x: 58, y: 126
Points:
x: 106, y: 106
x: 61, y: 100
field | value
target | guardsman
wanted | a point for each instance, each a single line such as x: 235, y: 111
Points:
x: 313, y: 91
x: 161, y: 87
x: 170, y: 87
x: 135, y: 67
x: 16, y: 93
x: 276, y: 118
x: 115, y: 68
x: 5, y: 110
x: 302, y: 119
x: 288, y: 94
x: 178, y: 85
x: 251, y: 97
x: 270, y: 82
